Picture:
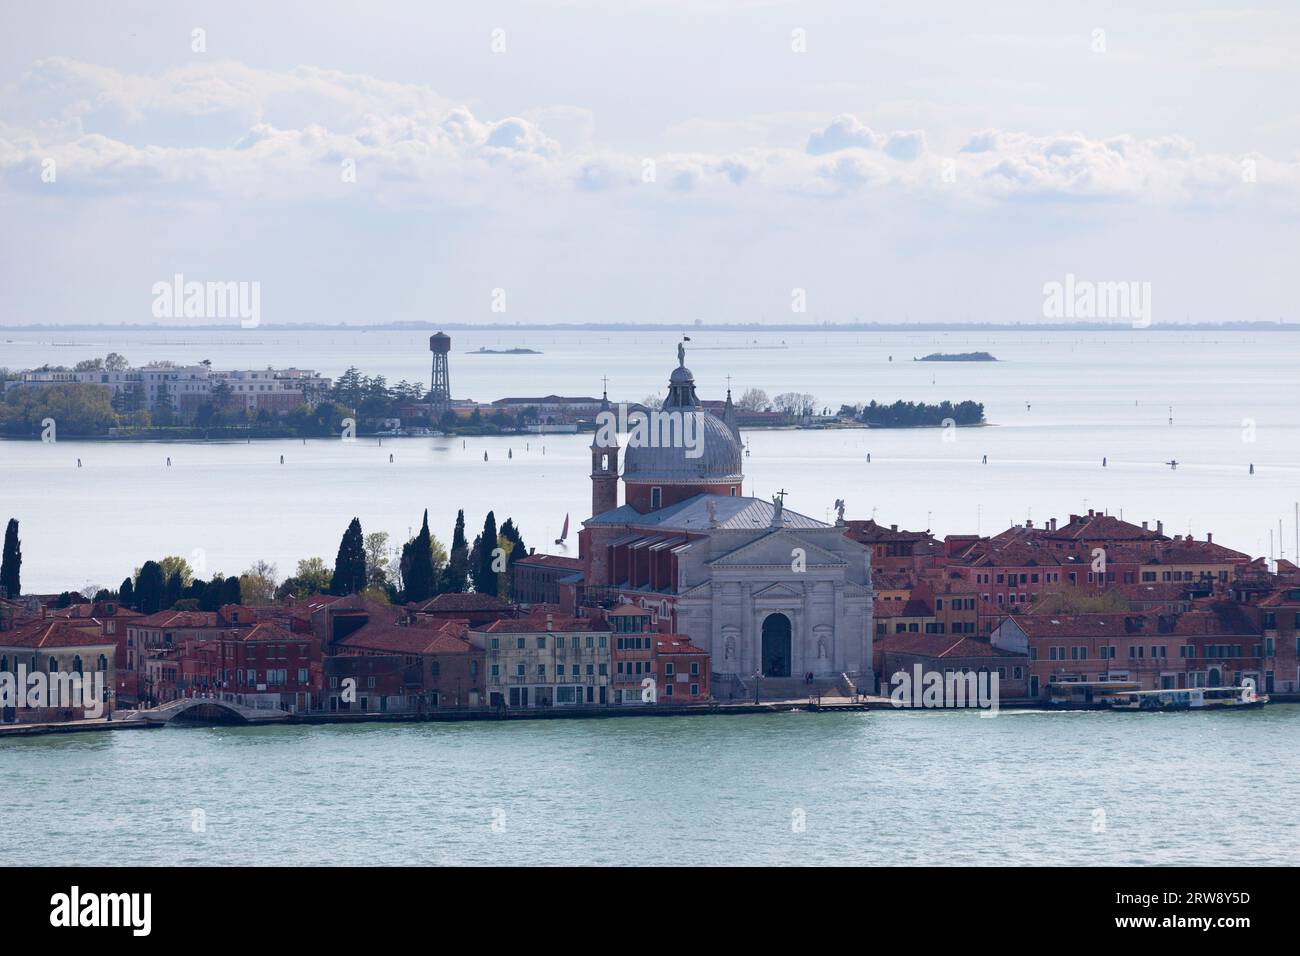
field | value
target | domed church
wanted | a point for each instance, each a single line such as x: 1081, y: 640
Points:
x: 765, y: 590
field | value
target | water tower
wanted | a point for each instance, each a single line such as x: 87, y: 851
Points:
x: 440, y: 391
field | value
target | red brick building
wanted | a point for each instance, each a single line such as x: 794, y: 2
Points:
x: 441, y: 668
x: 681, y: 670
x: 267, y: 663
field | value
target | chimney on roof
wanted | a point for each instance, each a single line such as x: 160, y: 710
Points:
x: 1144, y: 526
x: 1073, y: 518
x: 1209, y: 537
x: 550, y: 621
x: 893, y: 527
x: 1053, y: 524
x: 1091, y: 512
x: 1160, y: 527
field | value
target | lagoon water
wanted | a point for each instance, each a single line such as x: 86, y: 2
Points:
x: 1022, y: 788
x: 1058, y: 402
x: 892, y: 788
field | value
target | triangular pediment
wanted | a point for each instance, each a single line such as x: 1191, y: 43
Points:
x: 776, y: 549
x: 778, y: 590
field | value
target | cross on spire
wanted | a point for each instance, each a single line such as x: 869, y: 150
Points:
x: 604, y: 385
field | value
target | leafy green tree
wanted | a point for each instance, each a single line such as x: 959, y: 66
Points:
x: 456, y: 578
x: 350, y: 564
x: 76, y: 410
x: 377, y: 559
x: 311, y: 577
x: 257, y: 584
x: 12, y: 561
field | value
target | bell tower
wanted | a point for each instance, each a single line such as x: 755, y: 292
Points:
x: 604, y: 461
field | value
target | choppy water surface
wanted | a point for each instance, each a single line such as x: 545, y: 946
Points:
x: 921, y: 788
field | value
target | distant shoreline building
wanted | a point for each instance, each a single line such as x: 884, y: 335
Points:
x: 183, y: 389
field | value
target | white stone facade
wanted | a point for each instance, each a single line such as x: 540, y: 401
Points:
x: 732, y: 582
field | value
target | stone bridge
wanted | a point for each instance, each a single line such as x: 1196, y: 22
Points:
x: 208, y: 710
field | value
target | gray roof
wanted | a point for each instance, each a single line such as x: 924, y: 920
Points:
x: 719, y: 458
x: 733, y: 513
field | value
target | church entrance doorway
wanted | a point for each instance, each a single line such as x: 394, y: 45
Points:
x: 776, y: 646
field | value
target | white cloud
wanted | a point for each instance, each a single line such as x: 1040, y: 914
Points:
x: 111, y: 133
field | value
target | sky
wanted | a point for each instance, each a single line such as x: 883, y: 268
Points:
x: 639, y: 161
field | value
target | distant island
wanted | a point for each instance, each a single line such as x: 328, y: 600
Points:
x: 915, y: 414
x: 956, y: 357
x: 487, y: 351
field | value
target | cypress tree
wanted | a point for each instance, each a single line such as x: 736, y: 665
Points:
x: 485, y: 575
x: 350, y: 563
x: 149, y: 588
x: 419, y: 579
x: 12, y: 562
x: 126, y: 594
x: 455, y: 578
x: 517, y: 550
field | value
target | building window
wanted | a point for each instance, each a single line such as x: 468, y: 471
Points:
x: 434, y: 669
x: 656, y: 498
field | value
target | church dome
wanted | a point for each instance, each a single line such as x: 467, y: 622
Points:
x: 718, y: 462
x: 714, y: 453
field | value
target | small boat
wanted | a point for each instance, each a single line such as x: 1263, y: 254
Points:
x: 564, y: 532
x: 1190, y: 698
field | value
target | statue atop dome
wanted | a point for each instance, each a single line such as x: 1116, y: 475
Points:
x: 681, y: 355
